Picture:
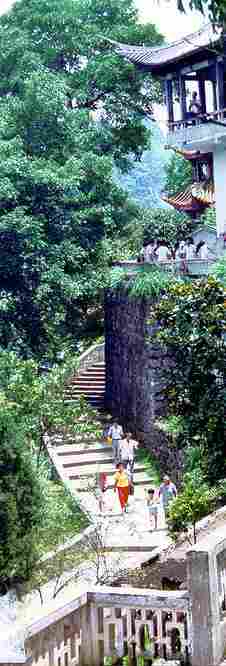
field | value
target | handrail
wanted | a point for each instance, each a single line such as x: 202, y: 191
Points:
x: 196, y: 118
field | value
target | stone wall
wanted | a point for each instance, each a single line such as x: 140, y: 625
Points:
x: 136, y: 375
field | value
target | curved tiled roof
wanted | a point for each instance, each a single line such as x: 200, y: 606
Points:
x: 192, y: 199
x: 191, y: 154
x: 154, y: 57
x: 204, y: 194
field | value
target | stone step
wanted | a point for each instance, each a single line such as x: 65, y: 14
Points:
x: 139, y: 480
x: 95, y: 372
x: 96, y: 365
x: 139, y: 476
x: 93, y: 401
x: 88, y: 382
x: 85, y: 458
x: 88, y: 390
x: 88, y: 375
x: 91, y: 466
x: 82, y: 447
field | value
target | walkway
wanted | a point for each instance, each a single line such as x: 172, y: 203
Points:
x: 79, y: 459
x: 127, y: 539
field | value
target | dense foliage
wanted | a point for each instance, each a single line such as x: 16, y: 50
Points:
x: 154, y: 223
x: 145, y: 282
x: 194, y: 502
x: 192, y: 325
x: 214, y: 9
x: 219, y: 270
x: 36, y: 514
x: 70, y: 110
x: 145, y: 181
x: 178, y: 174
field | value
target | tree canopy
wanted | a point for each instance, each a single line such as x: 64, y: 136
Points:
x: 214, y: 9
x: 178, y: 174
x: 192, y: 325
x: 70, y: 110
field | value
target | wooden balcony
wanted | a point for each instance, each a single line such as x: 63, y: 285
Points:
x: 202, y: 133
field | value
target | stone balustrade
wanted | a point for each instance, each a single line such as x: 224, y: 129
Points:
x: 195, y: 267
x: 194, y: 135
x: 105, y: 622
x: 112, y: 622
x: 94, y: 354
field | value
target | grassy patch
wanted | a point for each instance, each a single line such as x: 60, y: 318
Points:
x: 63, y: 517
x: 144, y: 457
x: 147, y: 281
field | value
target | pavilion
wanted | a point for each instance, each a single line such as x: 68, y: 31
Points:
x: 194, y: 64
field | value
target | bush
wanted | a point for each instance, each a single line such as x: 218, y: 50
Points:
x: 193, y: 503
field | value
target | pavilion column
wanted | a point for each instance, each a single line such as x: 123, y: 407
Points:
x: 202, y: 95
x: 219, y: 158
x: 182, y: 89
x: 214, y: 95
x: 220, y: 85
x: 169, y: 99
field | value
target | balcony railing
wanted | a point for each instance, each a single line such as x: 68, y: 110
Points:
x: 198, y: 131
x: 195, y: 267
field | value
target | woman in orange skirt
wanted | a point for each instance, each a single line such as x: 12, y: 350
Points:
x: 122, y: 486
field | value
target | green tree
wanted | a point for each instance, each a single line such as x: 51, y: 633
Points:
x: 192, y: 318
x: 178, y: 174
x: 21, y: 503
x: 36, y: 513
x: 215, y: 10
x: 194, y: 502
x: 70, y: 110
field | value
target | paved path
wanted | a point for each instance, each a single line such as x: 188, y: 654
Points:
x: 129, y: 530
x: 127, y: 538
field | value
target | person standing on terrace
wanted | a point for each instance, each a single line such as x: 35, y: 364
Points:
x: 195, y: 106
x: 163, y: 252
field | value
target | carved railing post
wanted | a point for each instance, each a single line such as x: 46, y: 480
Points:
x: 90, y: 648
x: 206, y: 621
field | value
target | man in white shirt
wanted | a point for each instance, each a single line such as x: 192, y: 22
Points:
x: 127, y: 451
x: 163, y: 253
x: 116, y: 433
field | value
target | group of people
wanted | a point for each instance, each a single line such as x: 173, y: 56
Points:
x: 161, y: 251
x: 123, y: 450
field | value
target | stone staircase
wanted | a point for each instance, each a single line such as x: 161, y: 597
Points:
x: 91, y: 384
x: 81, y: 458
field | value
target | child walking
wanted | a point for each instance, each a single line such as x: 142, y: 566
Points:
x: 152, y: 506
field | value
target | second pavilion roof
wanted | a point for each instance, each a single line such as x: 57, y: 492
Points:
x: 156, y: 58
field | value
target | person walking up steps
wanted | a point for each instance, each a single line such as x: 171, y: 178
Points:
x: 122, y: 486
x: 127, y: 451
x: 116, y: 433
x: 101, y: 487
x: 167, y: 492
x: 153, y: 506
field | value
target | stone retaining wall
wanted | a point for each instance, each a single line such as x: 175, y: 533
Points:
x: 136, y: 375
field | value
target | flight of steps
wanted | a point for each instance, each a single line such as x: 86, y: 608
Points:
x: 90, y: 383
x: 83, y: 457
